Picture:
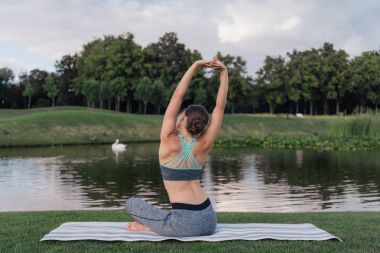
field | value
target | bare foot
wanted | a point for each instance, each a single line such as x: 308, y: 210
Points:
x: 137, y: 226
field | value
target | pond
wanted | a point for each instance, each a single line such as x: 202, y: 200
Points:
x: 254, y: 179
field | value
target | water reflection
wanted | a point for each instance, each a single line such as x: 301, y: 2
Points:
x: 274, y: 180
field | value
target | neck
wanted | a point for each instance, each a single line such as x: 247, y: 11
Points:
x: 185, y: 134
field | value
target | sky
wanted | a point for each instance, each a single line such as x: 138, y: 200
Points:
x: 36, y: 33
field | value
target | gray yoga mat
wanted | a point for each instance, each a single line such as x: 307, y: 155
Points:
x: 116, y: 231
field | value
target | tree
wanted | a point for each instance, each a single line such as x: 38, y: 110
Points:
x: 310, y: 85
x: 168, y: 60
x: 36, y: 79
x: 271, y: 79
x: 90, y: 65
x: 6, y: 79
x: 296, y: 78
x: 51, y: 88
x: 144, y: 91
x: 90, y: 89
x: 28, y: 92
x: 66, y: 72
x: 159, y: 98
x: 340, y: 82
x: 124, y: 62
x: 366, y: 78
x: 334, y: 75
x: 118, y: 87
x: 302, y: 70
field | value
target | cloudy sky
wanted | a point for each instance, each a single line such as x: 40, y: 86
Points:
x: 36, y: 33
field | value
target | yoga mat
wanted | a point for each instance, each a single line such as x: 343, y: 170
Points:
x: 116, y: 231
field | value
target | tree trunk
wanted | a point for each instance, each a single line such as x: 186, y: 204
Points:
x: 158, y: 109
x: 29, y: 100
x: 325, y: 107
x: 232, y: 107
x: 337, y: 107
x: 145, y: 107
x: 297, y: 107
x: 88, y: 103
x: 311, y: 107
x: 118, y: 103
x: 109, y: 104
x: 129, y: 102
x: 271, y: 108
x: 290, y: 108
x: 101, y: 103
x: 141, y: 107
x: 53, y: 102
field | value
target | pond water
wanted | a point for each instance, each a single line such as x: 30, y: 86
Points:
x: 263, y: 180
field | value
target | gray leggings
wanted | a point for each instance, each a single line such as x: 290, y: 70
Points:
x: 183, y: 220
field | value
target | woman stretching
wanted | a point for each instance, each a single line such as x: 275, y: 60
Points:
x: 186, y: 140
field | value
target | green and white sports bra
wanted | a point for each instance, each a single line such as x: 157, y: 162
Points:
x: 183, y: 166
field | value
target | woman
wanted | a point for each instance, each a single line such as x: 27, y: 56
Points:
x: 186, y: 140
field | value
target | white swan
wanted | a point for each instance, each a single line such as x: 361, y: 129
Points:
x: 118, y: 147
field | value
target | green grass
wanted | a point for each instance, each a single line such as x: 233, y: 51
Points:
x: 360, y: 125
x: 74, y: 125
x: 81, y: 125
x: 21, y: 232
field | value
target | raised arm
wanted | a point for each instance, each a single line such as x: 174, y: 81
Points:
x: 216, y: 120
x: 169, y: 122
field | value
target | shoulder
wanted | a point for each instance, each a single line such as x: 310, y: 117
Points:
x: 202, y: 144
x: 168, y: 145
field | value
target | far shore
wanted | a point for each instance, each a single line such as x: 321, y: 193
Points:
x: 66, y: 126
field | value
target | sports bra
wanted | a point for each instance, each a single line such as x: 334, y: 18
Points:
x: 183, y: 166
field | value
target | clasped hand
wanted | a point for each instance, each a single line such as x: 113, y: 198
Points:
x: 214, y: 63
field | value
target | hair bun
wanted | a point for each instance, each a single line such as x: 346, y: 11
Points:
x: 197, y: 118
x: 195, y: 126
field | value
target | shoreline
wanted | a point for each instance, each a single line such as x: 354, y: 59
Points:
x: 286, y: 142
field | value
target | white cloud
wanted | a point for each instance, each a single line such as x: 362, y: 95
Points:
x: 251, y: 29
x: 354, y: 44
x: 15, y: 65
x: 289, y: 24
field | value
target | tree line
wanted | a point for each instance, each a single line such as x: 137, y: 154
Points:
x: 116, y: 73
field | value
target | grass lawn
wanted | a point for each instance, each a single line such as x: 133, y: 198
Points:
x: 360, y: 232
x: 81, y: 125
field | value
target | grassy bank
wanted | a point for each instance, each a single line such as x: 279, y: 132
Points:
x: 80, y: 125
x: 21, y: 232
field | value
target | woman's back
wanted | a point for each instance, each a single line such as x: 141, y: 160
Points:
x: 181, y: 163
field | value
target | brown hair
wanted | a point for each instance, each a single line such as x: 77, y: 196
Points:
x: 197, y: 119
